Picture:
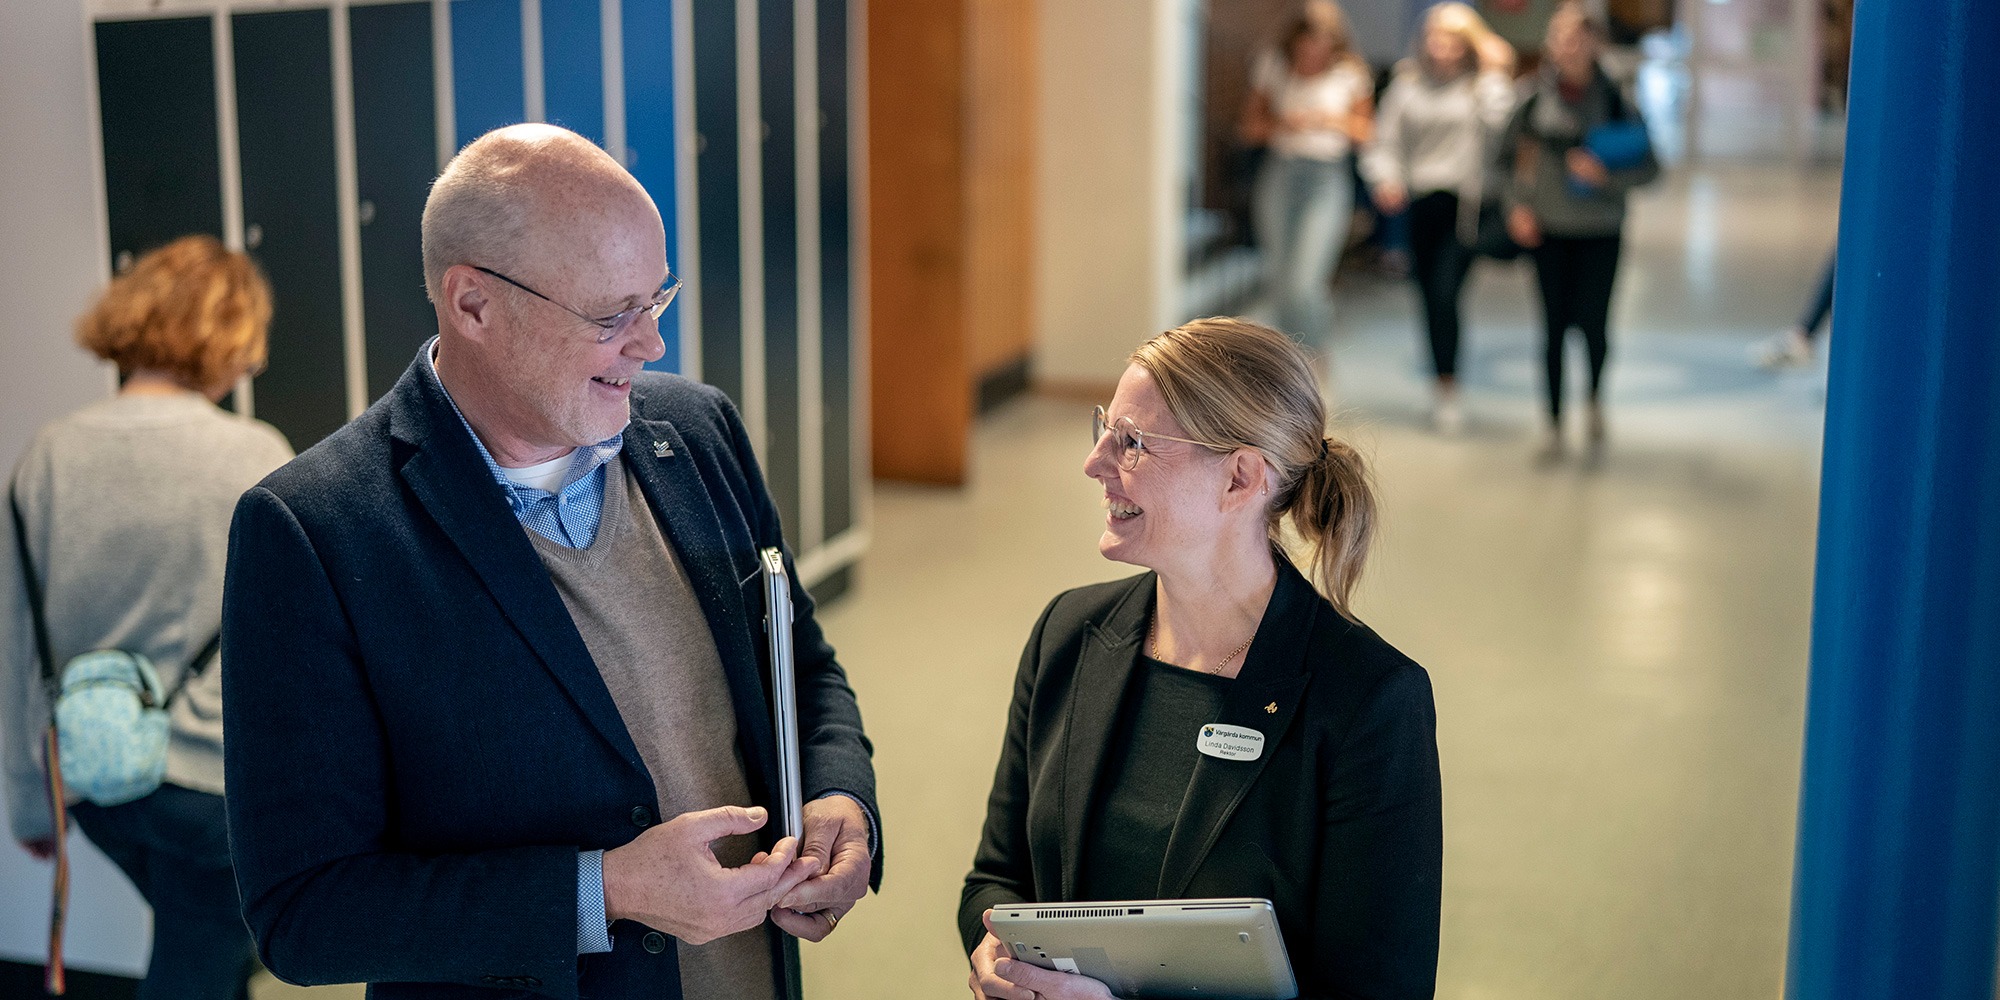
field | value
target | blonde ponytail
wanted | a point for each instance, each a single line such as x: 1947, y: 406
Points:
x: 1333, y: 509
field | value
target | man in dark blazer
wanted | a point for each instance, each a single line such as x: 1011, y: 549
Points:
x: 498, y: 716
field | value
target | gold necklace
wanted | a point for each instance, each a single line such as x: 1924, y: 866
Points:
x: 1153, y: 645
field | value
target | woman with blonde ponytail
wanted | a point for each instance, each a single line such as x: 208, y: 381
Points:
x: 1108, y: 788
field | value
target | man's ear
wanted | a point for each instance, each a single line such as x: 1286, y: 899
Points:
x: 467, y: 307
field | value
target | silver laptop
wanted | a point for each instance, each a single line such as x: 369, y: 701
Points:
x: 1228, y: 949
x: 784, y: 688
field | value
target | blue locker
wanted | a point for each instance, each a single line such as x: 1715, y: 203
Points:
x: 837, y: 272
x: 284, y: 115
x: 395, y: 154
x: 486, y: 74
x: 573, y: 66
x: 776, y: 32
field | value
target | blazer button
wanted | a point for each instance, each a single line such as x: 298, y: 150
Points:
x: 654, y: 942
x: 642, y: 817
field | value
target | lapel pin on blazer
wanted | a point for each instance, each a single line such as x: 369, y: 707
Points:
x: 1271, y: 709
x: 661, y: 449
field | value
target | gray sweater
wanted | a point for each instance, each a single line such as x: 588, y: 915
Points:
x: 128, y: 503
x: 1545, y: 128
x: 1438, y: 135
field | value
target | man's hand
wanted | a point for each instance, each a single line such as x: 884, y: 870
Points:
x: 995, y: 976
x: 837, y: 837
x: 43, y: 848
x: 669, y: 879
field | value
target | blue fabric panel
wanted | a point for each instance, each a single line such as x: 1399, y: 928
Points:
x: 649, y: 137
x: 573, y: 66
x: 1896, y: 886
x: 485, y: 66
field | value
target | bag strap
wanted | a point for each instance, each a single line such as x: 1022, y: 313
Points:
x: 37, y: 611
x: 194, y: 668
x: 34, y: 587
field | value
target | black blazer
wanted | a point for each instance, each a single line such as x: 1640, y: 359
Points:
x: 418, y: 740
x: 1338, y: 822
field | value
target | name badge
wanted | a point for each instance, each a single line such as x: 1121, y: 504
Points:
x: 1230, y: 742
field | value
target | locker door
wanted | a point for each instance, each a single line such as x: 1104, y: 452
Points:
x: 156, y: 94
x: 780, y: 448
x: 395, y: 153
x: 573, y: 66
x: 836, y: 269
x: 486, y: 75
x: 649, y: 137
x: 716, y: 185
x: 284, y: 114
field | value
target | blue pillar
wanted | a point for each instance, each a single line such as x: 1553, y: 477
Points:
x: 1896, y: 890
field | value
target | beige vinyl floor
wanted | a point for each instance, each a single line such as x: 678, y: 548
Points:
x: 1619, y: 653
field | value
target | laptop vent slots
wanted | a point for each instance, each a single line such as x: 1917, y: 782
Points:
x: 1119, y: 912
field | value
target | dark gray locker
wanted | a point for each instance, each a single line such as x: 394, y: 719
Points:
x: 781, y: 446
x: 395, y: 154
x: 284, y: 114
x: 837, y: 272
x: 716, y: 187
x: 156, y: 94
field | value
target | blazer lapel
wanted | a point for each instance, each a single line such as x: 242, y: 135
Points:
x: 451, y: 481
x: 1265, y: 698
x: 683, y: 503
x: 1110, y: 652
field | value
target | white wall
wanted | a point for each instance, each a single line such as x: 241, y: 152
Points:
x: 51, y: 240
x: 1108, y: 231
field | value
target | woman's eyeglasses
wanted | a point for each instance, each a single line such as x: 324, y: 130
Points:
x: 609, y: 327
x: 1131, y: 441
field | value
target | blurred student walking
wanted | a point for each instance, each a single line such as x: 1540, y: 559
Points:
x: 1434, y: 141
x: 1575, y: 147
x: 1312, y: 102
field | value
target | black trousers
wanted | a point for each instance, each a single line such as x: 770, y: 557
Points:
x: 1439, y: 263
x: 1575, y: 274
x: 174, y: 846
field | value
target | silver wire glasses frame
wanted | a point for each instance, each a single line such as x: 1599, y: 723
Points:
x: 610, y: 326
x: 1132, y: 441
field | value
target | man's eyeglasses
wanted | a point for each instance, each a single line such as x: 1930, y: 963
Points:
x: 1131, y: 441
x: 609, y: 327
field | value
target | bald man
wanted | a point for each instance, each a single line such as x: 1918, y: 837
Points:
x: 497, y: 716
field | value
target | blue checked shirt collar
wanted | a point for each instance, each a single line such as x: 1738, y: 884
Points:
x: 568, y: 517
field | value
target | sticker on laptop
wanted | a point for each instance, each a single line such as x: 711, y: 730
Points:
x: 1230, y: 742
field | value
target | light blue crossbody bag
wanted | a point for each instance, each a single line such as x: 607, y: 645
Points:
x: 109, y: 707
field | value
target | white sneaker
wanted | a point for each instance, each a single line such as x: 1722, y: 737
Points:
x: 1447, y: 418
x: 1789, y: 349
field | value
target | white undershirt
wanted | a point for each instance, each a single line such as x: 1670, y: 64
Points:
x: 546, y: 477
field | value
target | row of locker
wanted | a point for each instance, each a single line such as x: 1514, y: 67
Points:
x: 309, y: 136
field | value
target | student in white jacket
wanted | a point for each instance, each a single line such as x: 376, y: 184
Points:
x: 1434, y: 139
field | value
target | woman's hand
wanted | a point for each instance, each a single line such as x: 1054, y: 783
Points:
x: 995, y: 976
x: 985, y: 981
x: 1391, y: 198
x: 1586, y: 167
x: 1522, y: 226
x: 1495, y: 55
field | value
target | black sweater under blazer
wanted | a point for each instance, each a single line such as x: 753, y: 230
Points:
x: 1338, y: 822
